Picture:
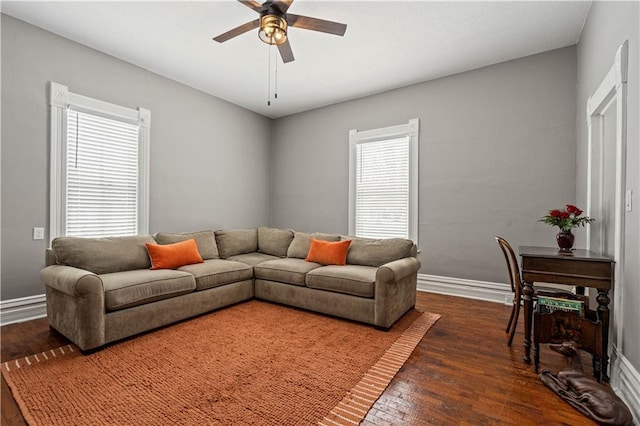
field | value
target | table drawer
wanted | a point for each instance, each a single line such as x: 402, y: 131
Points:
x: 568, y: 271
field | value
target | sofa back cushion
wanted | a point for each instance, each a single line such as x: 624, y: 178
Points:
x: 232, y: 242
x: 103, y: 255
x: 372, y: 252
x: 206, y: 241
x: 50, y: 257
x: 274, y: 241
x: 299, y: 247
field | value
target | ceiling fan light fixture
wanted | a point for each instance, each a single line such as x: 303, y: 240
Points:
x: 273, y: 29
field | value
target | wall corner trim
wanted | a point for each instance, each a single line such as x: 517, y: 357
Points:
x: 22, y: 309
x: 471, y: 289
x: 628, y: 385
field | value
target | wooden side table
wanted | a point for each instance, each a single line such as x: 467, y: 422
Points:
x: 579, y: 268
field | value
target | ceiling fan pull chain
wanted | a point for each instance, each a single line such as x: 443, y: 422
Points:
x: 276, y: 91
x: 269, y: 77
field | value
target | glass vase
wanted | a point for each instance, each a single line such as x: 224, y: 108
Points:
x: 565, y: 241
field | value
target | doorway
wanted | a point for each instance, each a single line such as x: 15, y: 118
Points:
x: 606, y: 121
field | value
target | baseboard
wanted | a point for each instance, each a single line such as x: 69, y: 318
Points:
x: 471, y: 289
x: 22, y: 309
x: 628, y: 386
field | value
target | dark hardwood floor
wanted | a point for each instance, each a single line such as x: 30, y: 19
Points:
x: 461, y: 373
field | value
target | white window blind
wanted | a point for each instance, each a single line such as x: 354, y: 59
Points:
x: 383, y: 182
x: 102, y: 176
x: 382, y: 189
x: 99, y: 166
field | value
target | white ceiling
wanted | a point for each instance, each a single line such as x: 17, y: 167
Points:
x: 388, y: 44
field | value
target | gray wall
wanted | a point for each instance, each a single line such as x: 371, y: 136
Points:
x: 608, y: 26
x: 209, y: 158
x: 497, y: 150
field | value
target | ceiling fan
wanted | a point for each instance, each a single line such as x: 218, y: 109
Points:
x: 274, y: 22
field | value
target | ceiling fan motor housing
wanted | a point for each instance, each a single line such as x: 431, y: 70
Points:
x: 273, y: 26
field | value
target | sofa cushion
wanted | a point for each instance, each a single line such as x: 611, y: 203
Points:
x: 252, y: 259
x: 328, y: 253
x: 356, y: 280
x: 232, y: 242
x: 103, y: 255
x: 274, y: 241
x: 290, y: 271
x: 206, y: 241
x: 299, y: 247
x: 371, y: 252
x: 217, y: 272
x: 132, y: 288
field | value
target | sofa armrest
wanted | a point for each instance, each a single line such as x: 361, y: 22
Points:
x: 72, y: 281
x: 398, y: 270
x: 75, y: 304
x: 395, y: 291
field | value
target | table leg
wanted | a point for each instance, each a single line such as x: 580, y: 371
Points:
x: 527, y: 291
x: 536, y: 342
x: 603, y: 314
x: 596, y: 363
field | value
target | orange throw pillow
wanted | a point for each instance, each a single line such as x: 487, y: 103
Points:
x: 328, y: 253
x: 172, y: 256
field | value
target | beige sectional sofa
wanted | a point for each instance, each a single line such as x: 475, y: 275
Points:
x: 100, y: 290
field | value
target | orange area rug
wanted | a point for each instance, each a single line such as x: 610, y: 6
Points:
x: 255, y: 363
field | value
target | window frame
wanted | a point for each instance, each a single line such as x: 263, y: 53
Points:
x: 410, y: 130
x: 60, y: 100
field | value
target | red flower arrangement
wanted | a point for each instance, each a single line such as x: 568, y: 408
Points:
x: 566, y: 219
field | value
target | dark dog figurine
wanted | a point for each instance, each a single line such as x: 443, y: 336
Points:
x: 583, y: 393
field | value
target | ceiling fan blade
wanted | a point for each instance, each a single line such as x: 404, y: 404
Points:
x: 283, y: 5
x: 285, y: 52
x: 252, y: 4
x: 316, y: 24
x: 237, y: 31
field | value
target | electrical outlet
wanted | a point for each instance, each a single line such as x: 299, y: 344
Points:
x: 38, y: 233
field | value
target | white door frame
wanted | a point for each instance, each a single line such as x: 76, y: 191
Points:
x: 611, y: 91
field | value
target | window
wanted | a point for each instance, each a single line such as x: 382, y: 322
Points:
x: 383, y: 182
x: 99, y: 167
